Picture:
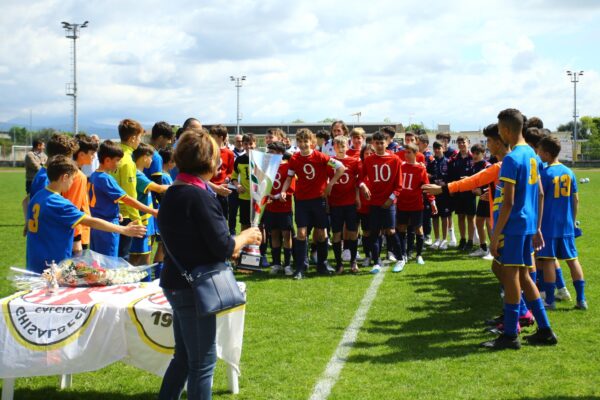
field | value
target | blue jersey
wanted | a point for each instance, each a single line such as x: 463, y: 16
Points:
x: 520, y: 167
x: 144, y: 197
x: 40, y: 181
x: 51, y: 220
x: 166, y: 179
x: 105, y: 193
x: 559, y: 184
x: 438, y: 169
x: 155, y: 167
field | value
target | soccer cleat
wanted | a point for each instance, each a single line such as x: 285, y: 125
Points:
x: 399, y: 266
x: 444, y: 245
x: 346, y: 255
x: 502, y: 342
x: 391, y: 257
x: 299, y: 275
x: 499, y: 329
x: 288, y: 271
x: 427, y: 241
x: 275, y: 269
x: 376, y: 269
x: 550, y: 306
x: 329, y: 268
x: 478, y: 253
x: 488, y: 256
x: 495, y: 321
x: 581, y: 305
x: 542, y: 337
x: 563, y: 294
x: 527, y: 319
x: 436, y: 244
x: 354, y: 268
x: 420, y: 260
x: 366, y: 262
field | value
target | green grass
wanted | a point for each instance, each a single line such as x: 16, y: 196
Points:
x: 419, y: 340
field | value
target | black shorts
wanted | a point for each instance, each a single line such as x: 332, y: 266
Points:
x: 341, y: 215
x: 311, y: 213
x: 409, y: 218
x: 364, y: 222
x: 444, y: 205
x: 465, y: 203
x: 244, y: 211
x: 483, y: 209
x: 277, y: 220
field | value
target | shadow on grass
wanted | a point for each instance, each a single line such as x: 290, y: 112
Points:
x: 46, y: 393
x: 442, y: 325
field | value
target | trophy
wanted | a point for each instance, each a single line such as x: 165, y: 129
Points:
x: 263, y: 169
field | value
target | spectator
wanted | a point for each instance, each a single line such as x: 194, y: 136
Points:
x: 34, y: 160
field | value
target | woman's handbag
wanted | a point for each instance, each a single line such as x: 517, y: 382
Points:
x: 214, y: 286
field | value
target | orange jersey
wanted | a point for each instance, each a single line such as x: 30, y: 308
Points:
x: 488, y: 176
x: 78, y: 195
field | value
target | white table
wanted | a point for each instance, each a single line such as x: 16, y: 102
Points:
x: 85, y: 329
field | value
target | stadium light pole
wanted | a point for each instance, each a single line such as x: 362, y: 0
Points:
x: 72, y: 32
x: 238, y: 84
x: 574, y: 79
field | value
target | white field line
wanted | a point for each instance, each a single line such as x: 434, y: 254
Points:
x: 332, y: 372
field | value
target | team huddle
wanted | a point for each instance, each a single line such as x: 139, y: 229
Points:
x: 339, y: 188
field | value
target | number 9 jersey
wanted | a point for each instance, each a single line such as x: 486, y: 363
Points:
x: 311, y: 171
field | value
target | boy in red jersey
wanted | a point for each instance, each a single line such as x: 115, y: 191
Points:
x: 220, y: 180
x: 357, y: 138
x: 310, y: 167
x: 277, y: 218
x: 343, y: 200
x: 410, y: 138
x: 363, y: 210
x: 381, y: 183
x: 410, y: 204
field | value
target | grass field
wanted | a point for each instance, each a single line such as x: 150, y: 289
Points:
x: 419, y: 339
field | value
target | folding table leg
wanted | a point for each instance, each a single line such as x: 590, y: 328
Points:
x: 8, y: 388
x: 66, y: 381
x: 232, y: 380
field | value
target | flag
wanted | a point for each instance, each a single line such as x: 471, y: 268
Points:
x: 263, y: 168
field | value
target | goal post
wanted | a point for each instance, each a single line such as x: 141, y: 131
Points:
x: 18, y: 152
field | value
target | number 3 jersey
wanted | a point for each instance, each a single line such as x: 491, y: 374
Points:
x: 276, y: 205
x: 383, y: 177
x: 311, y: 171
x: 559, y: 184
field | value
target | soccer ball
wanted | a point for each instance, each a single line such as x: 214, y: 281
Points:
x: 587, y: 180
x: 581, y: 180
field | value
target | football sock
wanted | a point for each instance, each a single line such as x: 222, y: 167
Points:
x: 402, y: 237
x: 376, y: 250
x: 313, y: 247
x: 511, y: 319
x: 522, y: 306
x: 353, y: 247
x: 366, y: 244
x: 539, y: 313
x: 287, y: 256
x: 419, y: 245
x: 549, y: 288
x: 469, y: 243
x: 580, y: 289
x: 337, y: 252
x: 410, y: 242
x: 276, y: 253
x: 560, y: 281
x: 393, y: 244
x: 462, y: 242
x: 300, y: 247
x: 533, y: 274
x: 322, y: 249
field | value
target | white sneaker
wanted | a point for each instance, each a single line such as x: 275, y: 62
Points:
x: 288, y: 270
x: 391, y: 257
x: 444, y: 245
x: 366, y: 262
x: 420, y: 260
x: 376, y: 269
x: 488, y: 256
x: 399, y: 266
x: 563, y: 294
x: 452, y: 242
x: 478, y: 253
x: 428, y: 241
x: 358, y: 255
x: 436, y: 244
x: 346, y: 255
x: 275, y: 269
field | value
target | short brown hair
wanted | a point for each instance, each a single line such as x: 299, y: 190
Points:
x: 478, y: 148
x: 142, y: 150
x: 85, y: 143
x: 61, y: 144
x: 462, y: 139
x: 423, y: 138
x: 535, y: 122
x: 248, y: 138
x: 278, y: 132
x: 219, y: 130
x: 412, y: 147
x: 551, y: 145
x: 533, y: 136
x: 305, y: 134
x: 129, y: 128
x: 512, y: 119
x: 388, y: 131
x: 443, y: 135
x: 109, y: 149
x: 340, y: 140
x: 59, y: 165
x: 358, y: 132
x: 196, y: 152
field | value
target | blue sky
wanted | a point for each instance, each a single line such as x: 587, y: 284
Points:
x: 456, y: 62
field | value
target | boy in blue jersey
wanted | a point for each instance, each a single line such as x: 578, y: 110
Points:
x: 105, y: 195
x: 561, y: 202
x: 142, y: 247
x: 517, y: 232
x: 51, y: 218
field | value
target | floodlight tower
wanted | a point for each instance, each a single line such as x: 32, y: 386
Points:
x: 72, y: 32
x: 574, y: 79
x: 357, y: 115
x: 238, y: 84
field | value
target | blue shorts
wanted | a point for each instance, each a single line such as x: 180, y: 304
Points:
x: 141, y: 245
x: 515, y: 251
x: 106, y: 243
x: 343, y: 214
x: 277, y: 220
x: 364, y: 222
x: 382, y: 218
x: 559, y: 248
x: 311, y: 213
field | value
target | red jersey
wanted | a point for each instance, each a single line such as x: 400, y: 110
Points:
x: 383, y: 177
x: 311, y: 171
x: 226, y: 168
x: 353, y: 153
x: 413, y: 177
x: 278, y: 206
x: 420, y: 156
x: 343, y: 192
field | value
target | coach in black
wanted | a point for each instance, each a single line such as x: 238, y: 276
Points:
x: 195, y: 231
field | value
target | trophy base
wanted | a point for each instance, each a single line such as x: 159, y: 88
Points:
x: 250, y: 259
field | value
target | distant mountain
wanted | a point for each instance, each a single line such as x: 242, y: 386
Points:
x: 102, y: 130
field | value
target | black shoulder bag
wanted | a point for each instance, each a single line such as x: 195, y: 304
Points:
x: 214, y: 286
